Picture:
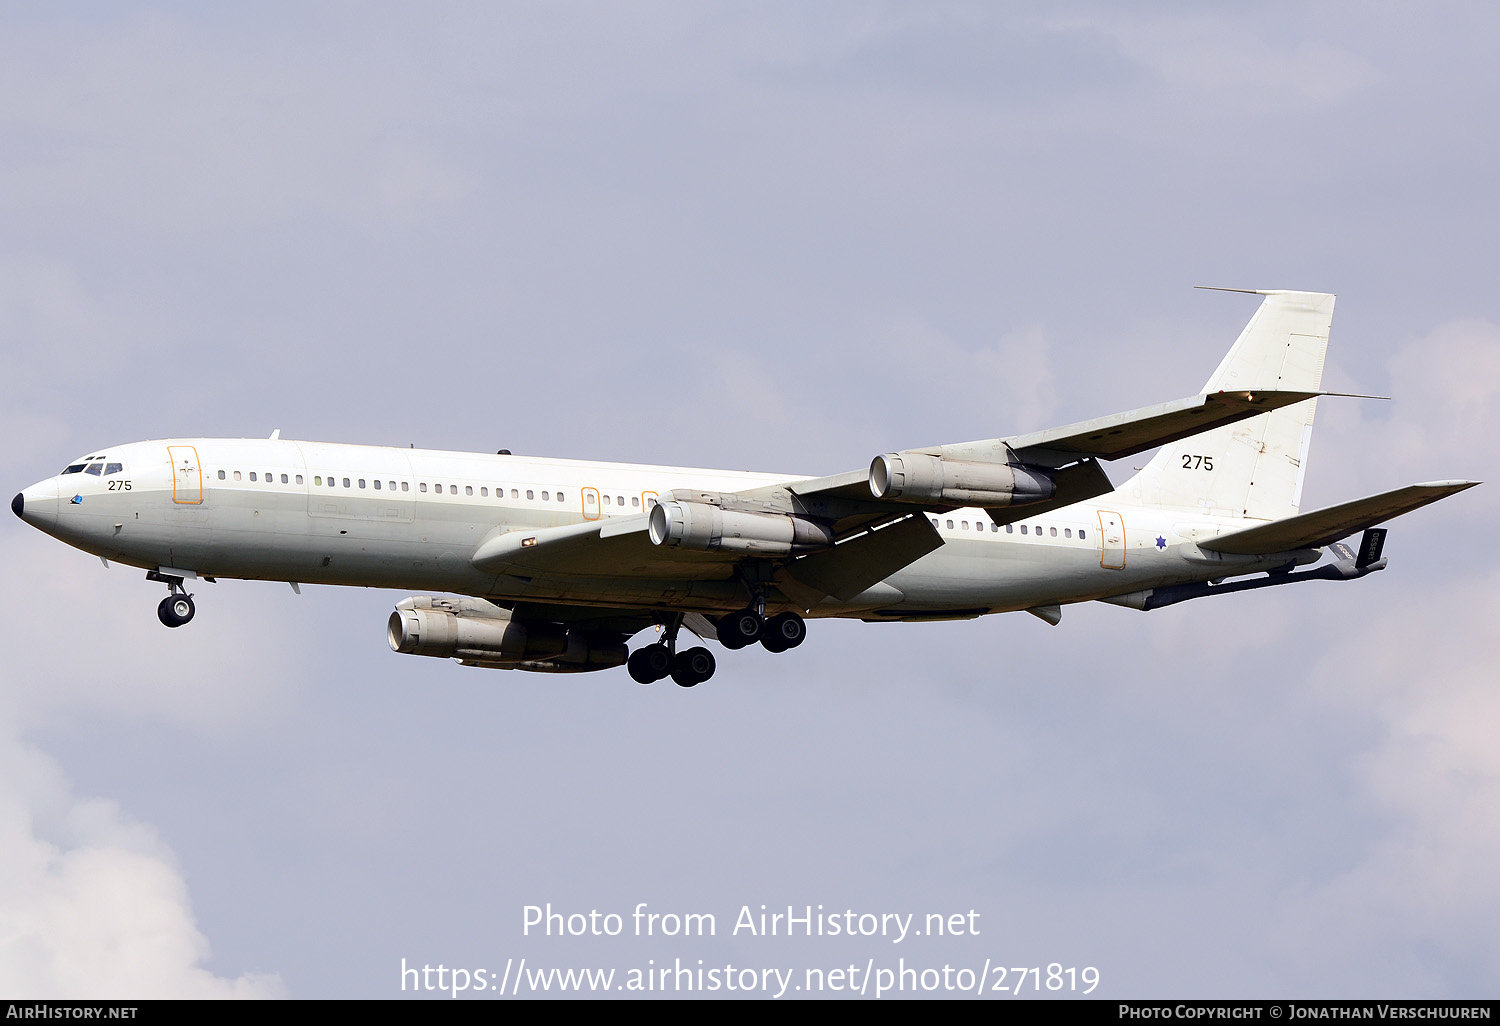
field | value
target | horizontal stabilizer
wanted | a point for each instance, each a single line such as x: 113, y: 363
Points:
x: 1325, y: 526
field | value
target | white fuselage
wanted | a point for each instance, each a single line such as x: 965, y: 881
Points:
x: 410, y: 519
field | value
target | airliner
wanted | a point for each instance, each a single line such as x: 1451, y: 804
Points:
x: 555, y: 565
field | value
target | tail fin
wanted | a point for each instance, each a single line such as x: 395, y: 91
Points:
x: 1254, y: 468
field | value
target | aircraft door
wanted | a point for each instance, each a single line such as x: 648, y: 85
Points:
x: 1111, y: 540
x: 591, y: 504
x: 187, y: 475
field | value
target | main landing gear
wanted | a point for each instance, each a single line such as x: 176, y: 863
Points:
x: 651, y: 663
x: 177, y: 608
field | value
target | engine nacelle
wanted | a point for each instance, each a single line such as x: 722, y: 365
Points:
x: 698, y: 525
x: 470, y: 629
x: 917, y: 477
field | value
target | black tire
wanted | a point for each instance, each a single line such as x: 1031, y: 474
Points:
x: 693, y: 667
x: 657, y: 661
x: 784, y: 631
x: 640, y: 671
x: 175, y: 610
x: 739, y: 629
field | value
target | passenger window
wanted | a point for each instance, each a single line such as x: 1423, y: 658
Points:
x: 236, y: 475
x: 221, y: 475
x: 1067, y: 532
x: 530, y: 494
x: 934, y: 523
x: 392, y: 485
x: 318, y: 480
x: 332, y: 483
x: 634, y: 501
x: 283, y: 479
x: 950, y: 525
x: 561, y: 497
x: 1052, y: 531
x: 422, y: 487
x: 1080, y: 533
x: 1023, y: 528
x: 453, y: 489
x: 515, y: 493
x: 405, y: 487
x: 606, y: 500
x: 965, y: 524
x: 299, y: 478
x: 376, y: 483
x: 545, y: 497
x: 1038, y: 530
x: 252, y: 475
x: 346, y: 482
x: 484, y: 493
x: 651, y: 503
x: 438, y: 489
x: 1010, y: 528
x: 269, y: 477
x: 588, y: 499
x: 994, y: 528
x: 468, y: 489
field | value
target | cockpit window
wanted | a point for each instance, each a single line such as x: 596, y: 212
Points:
x: 113, y: 468
x: 76, y: 468
x: 94, y: 468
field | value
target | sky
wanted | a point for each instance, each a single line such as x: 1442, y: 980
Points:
x: 777, y: 237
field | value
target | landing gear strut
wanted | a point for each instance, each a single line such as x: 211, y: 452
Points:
x: 177, y: 608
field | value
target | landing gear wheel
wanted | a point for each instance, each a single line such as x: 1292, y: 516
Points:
x: 175, y: 610
x: 692, y: 667
x: 783, y: 631
x: 739, y: 629
x: 649, y: 664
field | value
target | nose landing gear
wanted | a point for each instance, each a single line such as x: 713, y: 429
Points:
x: 177, y: 608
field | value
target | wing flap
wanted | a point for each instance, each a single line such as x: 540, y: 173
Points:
x: 1325, y: 526
x: 867, y: 559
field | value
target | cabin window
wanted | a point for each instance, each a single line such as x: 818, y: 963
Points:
x: 950, y: 525
x: 515, y: 493
x: 545, y: 497
x: 318, y: 480
x: 236, y: 475
x: 606, y: 500
x: 484, y: 493
x: 1010, y: 528
x: 361, y: 482
x: 299, y: 478
x: 994, y: 528
x: 588, y: 499
x: 269, y: 477
x: 405, y: 487
x: 1023, y: 528
x: 438, y: 489
x: 530, y: 494
x: 1052, y: 531
x: 934, y: 523
x: 964, y: 524
x: 346, y: 482
x: 422, y: 487
x: 468, y: 489
x: 284, y: 481
x: 1038, y: 530
x: 634, y: 501
x: 1067, y: 532
x: 561, y: 497
x: 391, y: 485
x: 331, y: 482
x: 1080, y: 533
x: 453, y: 489
x: 376, y: 483
x: 76, y: 468
x: 221, y: 475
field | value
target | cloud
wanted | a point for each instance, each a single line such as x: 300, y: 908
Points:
x: 92, y: 903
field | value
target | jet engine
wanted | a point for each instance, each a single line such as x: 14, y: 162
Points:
x: 470, y: 629
x: 698, y: 525
x: 917, y: 477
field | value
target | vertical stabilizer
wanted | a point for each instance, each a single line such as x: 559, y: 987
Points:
x: 1253, y: 468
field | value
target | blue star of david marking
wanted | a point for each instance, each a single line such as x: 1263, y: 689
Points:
x: 1161, y: 542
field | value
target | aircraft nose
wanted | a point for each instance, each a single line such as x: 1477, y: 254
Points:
x: 37, y: 505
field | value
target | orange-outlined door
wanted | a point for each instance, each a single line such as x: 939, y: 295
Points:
x: 591, y: 504
x: 1111, y: 540
x: 187, y: 475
